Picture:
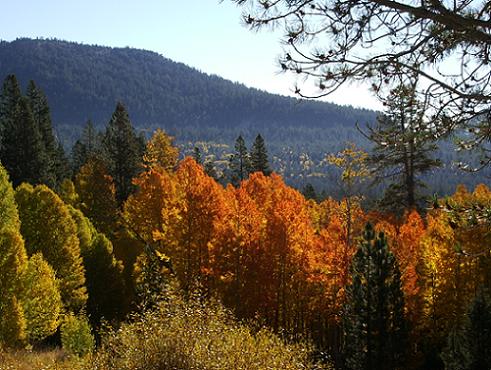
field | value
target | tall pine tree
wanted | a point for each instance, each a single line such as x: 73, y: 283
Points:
x: 42, y: 119
x: 259, y: 156
x: 124, y: 152
x: 9, y: 100
x: 240, y: 163
x: 374, y: 323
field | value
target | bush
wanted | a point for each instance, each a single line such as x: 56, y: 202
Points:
x: 196, y: 335
x: 76, y: 336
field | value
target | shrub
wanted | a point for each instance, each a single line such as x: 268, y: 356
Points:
x: 196, y: 335
x: 76, y: 336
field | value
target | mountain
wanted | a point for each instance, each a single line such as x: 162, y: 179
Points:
x: 83, y: 81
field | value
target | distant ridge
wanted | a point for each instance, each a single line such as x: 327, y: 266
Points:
x: 83, y: 81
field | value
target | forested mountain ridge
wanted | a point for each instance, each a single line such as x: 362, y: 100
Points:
x: 83, y: 82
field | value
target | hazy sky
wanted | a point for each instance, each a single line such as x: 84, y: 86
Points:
x: 204, y: 34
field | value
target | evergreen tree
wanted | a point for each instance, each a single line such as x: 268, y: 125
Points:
x: 124, y: 151
x: 404, y: 142
x: 86, y: 147
x: 374, y: 323
x: 259, y: 156
x: 197, y: 155
x: 469, y: 346
x: 240, y: 163
x: 9, y: 100
x: 23, y: 151
x: 42, y: 119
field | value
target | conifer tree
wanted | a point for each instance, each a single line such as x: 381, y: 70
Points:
x: 124, y: 151
x: 9, y: 100
x: 259, y: 156
x: 88, y: 146
x: 23, y: 150
x: 374, y: 323
x: 469, y: 346
x: 240, y: 162
x: 403, y: 145
x: 42, y: 119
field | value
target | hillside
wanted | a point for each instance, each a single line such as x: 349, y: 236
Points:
x: 83, y: 81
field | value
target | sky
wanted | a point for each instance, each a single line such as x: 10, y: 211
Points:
x: 205, y: 34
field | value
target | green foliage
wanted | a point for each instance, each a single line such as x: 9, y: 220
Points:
x: 469, y: 346
x: 374, y: 323
x: 196, y: 335
x: 259, y: 156
x: 48, y: 228
x: 76, y: 335
x: 41, y: 299
x: 123, y: 152
x: 240, y: 163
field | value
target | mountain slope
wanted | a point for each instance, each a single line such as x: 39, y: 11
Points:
x: 84, y: 82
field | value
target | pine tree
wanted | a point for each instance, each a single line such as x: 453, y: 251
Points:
x: 9, y: 100
x: 42, y: 119
x: 374, y: 323
x: 259, y: 156
x: 404, y: 142
x: 124, y: 151
x: 469, y: 346
x: 88, y: 146
x: 240, y: 163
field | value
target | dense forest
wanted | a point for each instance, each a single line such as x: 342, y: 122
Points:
x: 85, y: 82
x: 128, y: 256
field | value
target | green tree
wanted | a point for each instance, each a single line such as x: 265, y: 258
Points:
x: 9, y: 100
x: 41, y: 299
x: 23, y: 150
x: 124, y: 152
x: 374, y: 323
x: 240, y: 162
x: 259, y: 156
x: 469, y: 346
x: 42, y: 119
x: 48, y: 228
x: 88, y: 146
x: 404, y: 147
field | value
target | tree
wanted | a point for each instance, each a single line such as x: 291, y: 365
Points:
x: 88, y: 146
x: 48, y: 228
x: 160, y: 151
x: 328, y: 42
x: 404, y: 142
x: 123, y: 150
x: 96, y: 195
x: 240, y: 162
x: 469, y: 346
x: 42, y: 119
x: 23, y: 150
x: 41, y: 299
x: 375, y: 332
x: 9, y: 100
x: 13, y: 262
x: 259, y: 156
